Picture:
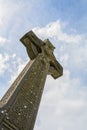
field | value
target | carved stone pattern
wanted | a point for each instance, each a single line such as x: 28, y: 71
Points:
x: 13, y: 87
x: 24, y: 109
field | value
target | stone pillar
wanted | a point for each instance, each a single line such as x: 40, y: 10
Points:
x: 19, y: 106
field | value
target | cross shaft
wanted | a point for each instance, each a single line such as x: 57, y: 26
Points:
x: 19, y: 106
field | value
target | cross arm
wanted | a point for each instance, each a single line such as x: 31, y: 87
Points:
x: 55, y: 69
x: 32, y: 43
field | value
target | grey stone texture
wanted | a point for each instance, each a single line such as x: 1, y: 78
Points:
x: 19, y: 106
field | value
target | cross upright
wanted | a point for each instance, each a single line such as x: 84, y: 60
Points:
x: 19, y: 106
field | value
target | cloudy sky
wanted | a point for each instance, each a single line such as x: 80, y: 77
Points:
x: 64, y: 22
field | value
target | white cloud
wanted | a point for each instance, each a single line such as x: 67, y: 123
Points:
x: 18, y: 67
x: 64, y: 59
x: 13, y: 56
x: 1, y: 22
x: 62, y: 105
x: 5, y: 10
x: 69, y: 54
x: 9, y: 64
x: 55, y: 30
x: 79, y: 55
x: 5, y: 60
x: 3, y: 63
x: 3, y: 41
x: 64, y: 102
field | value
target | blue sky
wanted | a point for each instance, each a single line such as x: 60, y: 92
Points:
x: 64, y: 22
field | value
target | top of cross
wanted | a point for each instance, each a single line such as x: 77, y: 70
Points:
x: 34, y: 46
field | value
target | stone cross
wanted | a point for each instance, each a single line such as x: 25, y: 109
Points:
x: 19, y: 106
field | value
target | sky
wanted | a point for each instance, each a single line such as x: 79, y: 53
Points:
x: 64, y: 22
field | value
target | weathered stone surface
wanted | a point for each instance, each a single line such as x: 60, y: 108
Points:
x: 19, y: 106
